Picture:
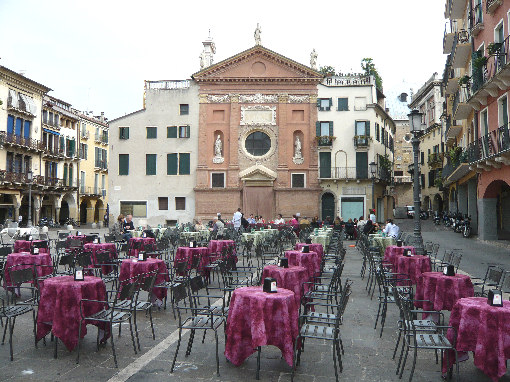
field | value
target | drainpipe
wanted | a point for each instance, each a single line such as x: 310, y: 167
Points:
x: 78, y: 140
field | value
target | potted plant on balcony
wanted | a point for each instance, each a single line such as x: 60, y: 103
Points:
x: 480, y: 62
x: 494, y: 48
x: 464, y: 80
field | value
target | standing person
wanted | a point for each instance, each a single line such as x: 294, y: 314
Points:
x: 105, y: 220
x: 236, y: 219
x: 20, y: 220
x: 279, y: 220
x: 373, y: 217
x: 218, y: 215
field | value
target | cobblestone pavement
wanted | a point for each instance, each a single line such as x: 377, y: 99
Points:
x: 367, y: 356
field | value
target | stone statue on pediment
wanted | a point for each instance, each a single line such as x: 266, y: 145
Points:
x: 257, y: 33
x: 313, y: 59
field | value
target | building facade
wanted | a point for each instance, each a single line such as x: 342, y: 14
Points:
x: 256, y: 142
x: 354, y: 129
x: 153, y: 156
x: 429, y: 101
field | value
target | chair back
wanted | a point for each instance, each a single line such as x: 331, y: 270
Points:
x: 505, y: 284
x: 4, y: 251
x: 196, y: 284
x: 63, y: 235
x: 102, y: 257
x: 74, y: 243
x: 181, y: 267
x: 84, y: 259
x: 20, y: 276
x: 494, y: 275
x: 127, y: 289
x: 109, y: 238
x: 147, y: 281
x: 179, y: 292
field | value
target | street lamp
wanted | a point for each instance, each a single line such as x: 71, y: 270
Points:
x: 416, y: 126
x: 373, y: 169
x: 29, y: 179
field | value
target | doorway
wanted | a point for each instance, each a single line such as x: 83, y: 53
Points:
x: 328, y: 206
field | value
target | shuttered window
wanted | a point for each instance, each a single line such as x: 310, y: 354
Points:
x: 163, y: 203
x: 184, y: 165
x: 171, y: 132
x: 10, y: 124
x: 361, y: 165
x: 184, y: 132
x: 150, y: 164
x: 343, y: 104
x: 218, y: 180
x: 171, y: 164
x: 180, y: 203
x: 123, y: 164
x: 152, y: 132
x: 325, y: 164
x: 123, y: 132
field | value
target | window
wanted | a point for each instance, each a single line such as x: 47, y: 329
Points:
x: 163, y: 203
x: 178, y: 164
x: 218, y: 180
x: 398, y: 173
x: 184, y: 165
x: 362, y: 128
x: 184, y: 132
x: 83, y: 150
x: 422, y: 180
x: 361, y: 165
x: 324, y: 104
x: 343, y: 104
x: 150, y: 164
x: 180, y: 203
x: 297, y: 180
x: 123, y: 132
x: 422, y: 160
x: 325, y: 129
x: 171, y: 132
x: 360, y: 103
x: 484, y: 122
x: 183, y: 109
x: 257, y: 143
x: 123, y: 164
x: 324, y: 164
x: 152, y: 132
x: 377, y: 131
x: 137, y: 209
x: 171, y: 164
x: 503, y: 111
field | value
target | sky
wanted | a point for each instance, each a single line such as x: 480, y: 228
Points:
x: 96, y: 54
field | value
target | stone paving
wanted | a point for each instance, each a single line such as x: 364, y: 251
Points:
x: 367, y: 356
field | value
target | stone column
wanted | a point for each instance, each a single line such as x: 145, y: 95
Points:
x: 90, y: 211
x: 462, y: 198
x: 472, y: 200
x: 487, y: 224
x: 57, y: 215
x: 37, y: 209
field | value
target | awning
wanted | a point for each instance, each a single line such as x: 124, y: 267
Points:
x: 51, y: 131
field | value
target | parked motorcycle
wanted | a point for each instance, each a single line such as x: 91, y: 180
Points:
x: 466, y: 232
x: 437, y: 218
x: 446, y: 219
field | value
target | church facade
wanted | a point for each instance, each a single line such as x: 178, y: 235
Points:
x: 256, y: 141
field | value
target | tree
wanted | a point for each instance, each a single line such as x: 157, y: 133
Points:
x: 327, y: 71
x: 368, y: 66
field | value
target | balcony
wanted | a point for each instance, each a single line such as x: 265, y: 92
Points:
x: 449, y: 35
x: 100, y: 165
x: 91, y: 191
x: 402, y: 179
x: 491, y: 150
x: 492, y: 5
x: 476, y: 20
x: 461, y: 109
x: 490, y: 74
x: 325, y: 140
x: 461, y: 49
x: 20, y: 141
x: 52, y: 152
x: 84, y: 134
x: 338, y: 173
x: 361, y: 141
x: 455, y: 9
x: 452, y: 131
x: 452, y: 81
x: 435, y: 160
x: 18, y: 179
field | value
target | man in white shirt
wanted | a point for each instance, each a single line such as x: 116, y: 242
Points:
x: 280, y: 220
x: 391, y: 230
x: 236, y: 219
x: 372, y: 216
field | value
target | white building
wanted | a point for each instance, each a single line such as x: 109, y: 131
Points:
x: 353, y: 130
x: 153, y: 156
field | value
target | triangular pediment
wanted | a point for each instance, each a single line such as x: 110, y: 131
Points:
x: 257, y: 63
x: 257, y: 173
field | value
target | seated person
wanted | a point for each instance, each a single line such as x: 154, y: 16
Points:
x: 369, y: 227
x: 279, y: 220
x: 128, y: 226
x: 219, y: 228
x: 391, y: 230
x: 349, y: 229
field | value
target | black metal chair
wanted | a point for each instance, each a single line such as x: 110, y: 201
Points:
x: 492, y: 279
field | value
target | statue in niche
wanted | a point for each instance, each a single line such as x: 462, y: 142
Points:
x: 298, y: 156
x: 218, y: 158
x: 257, y: 33
x: 313, y: 59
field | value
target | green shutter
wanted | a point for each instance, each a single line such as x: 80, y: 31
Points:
x: 317, y: 129
x: 65, y: 175
x: 70, y: 176
x: 187, y: 132
x: 330, y: 128
x: 171, y: 164
x: 184, y: 167
x: 127, y: 133
x: 150, y: 164
x: 123, y: 164
x: 367, y: 128
x: 361, y: 165
x: 171, y: 132
x: 152, y: 132
x: 319, y: 103
x: 330, y: 103
x: 325, y: 164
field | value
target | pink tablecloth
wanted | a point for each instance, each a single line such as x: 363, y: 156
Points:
x: 59, y: 307
x: 110, y: 247
x: 216, y: 246
x: 392, y: 252
x: 256, y: 318
x: 442, y: 291
x: 26, y: 245
x: 143, y: 242
x: 76, y: 237
x: 187, y: 254
x: 413, y: 266
x: 311, y: 261
x: 313, y: 247
x: 25, y: 260
x: 132, y: 267
x: 291, y: 278
x: 484, y: 330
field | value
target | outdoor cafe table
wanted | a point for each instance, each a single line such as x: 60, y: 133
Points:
x: 484, y: 330
x: 441, y: 291
x: 132, y: 267
x: 413, y: 266
x: 313, y: 247
x: 94, y: 248
x: 311, y: 261
x: 252, y: 236
x: 320, y: 239
x: 190, y: 235
x: 256, y: 318
x: 26, y: 246
x: 381, y: 241
x: 291, y: 278
x: 392, y: 252
x: 25, y: 260
x: 187, y: 254
x: 59, y: 307
x: 143, y: 242
x: 216, y: 246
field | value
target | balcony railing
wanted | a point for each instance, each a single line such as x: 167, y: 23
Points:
x: 91, y: 190
x: 460, y: 108
x: 84, y: 134
x: 492, y: 5
x: 490, y: 69
x: 435, y: 159
x: 461, y: 49
x: 325, y: 140
x: 337, y: 173
x: 21, y: 178
x: 103, y: 165
x: 403, y: 179
x: 476, y: 20
x: 361, y: 140
x: 491, y: 145
x: 13, y: 139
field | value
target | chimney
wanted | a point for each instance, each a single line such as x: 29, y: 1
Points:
x: 102, y: 116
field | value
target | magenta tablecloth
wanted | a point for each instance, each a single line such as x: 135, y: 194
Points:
x: 311, y: 261
x: 143, y: 242
x: 25, y: 260
x: 59, y: 307
x: 442, y: 291
x: 187, y: 254
x: 216, y: 246
x: 313, y: 247
x: 76, y: 237
x: 291, y: 278
x: 484, y: 330
x: 110, y: 247
x: 413, y: 266
x: 132, y: 267
x: 256, y: 318
x: 26, y: 245
x: 392, y: 252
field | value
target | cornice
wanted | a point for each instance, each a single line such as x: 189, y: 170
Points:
x: 14, y: 78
